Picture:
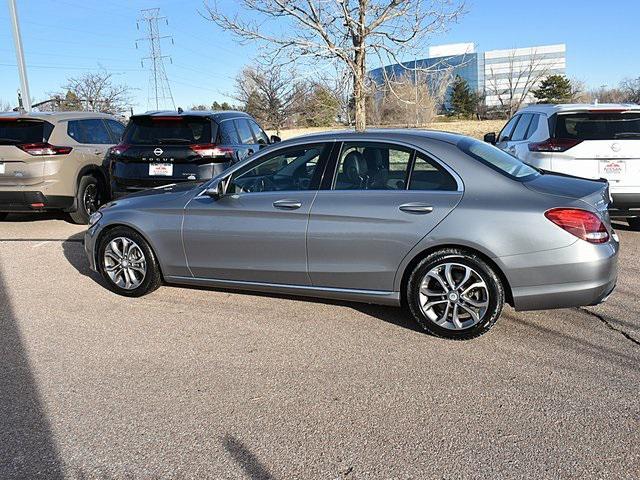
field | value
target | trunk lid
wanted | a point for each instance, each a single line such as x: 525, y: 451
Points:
x: 17, y: 167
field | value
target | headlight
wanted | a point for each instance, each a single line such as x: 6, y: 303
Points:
x: 94, y: 218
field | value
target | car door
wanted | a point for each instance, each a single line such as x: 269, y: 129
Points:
x: 517, y: 143
x: 504, y: 136
x: 116, y: 128
x: 94, y: 139
x: 256, y: 232
x: 248, y: 143
x: 381, y: 200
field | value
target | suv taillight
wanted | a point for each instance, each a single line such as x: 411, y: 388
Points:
x: 119, y: 149
x: 43, y: 148
x: 212, y: 150
x: 581, y: 223
x: 554, y: 145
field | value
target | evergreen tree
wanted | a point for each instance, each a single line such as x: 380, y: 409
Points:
x: 463, y: 100
x: 554, y: 89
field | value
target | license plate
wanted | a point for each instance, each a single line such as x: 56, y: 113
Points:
x: 161, y: 169
x: 613, y: 169
x: 2, y: 168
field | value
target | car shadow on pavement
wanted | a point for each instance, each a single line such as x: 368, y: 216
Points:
x: 27, y: 445
x: 36, y: 217
x: 75, y: 255
x: 249, y: 463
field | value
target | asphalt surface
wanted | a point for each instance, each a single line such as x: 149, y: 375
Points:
x: 190, y: 383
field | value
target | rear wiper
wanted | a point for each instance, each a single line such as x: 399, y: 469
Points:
x: 174, y: 140
x: 627, y: 135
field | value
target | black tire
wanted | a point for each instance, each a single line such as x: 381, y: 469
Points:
x: 152, y: 278
x: 3, y: 216
x: 634, y: 223
x: 494, y: 293
x: 88, y: 199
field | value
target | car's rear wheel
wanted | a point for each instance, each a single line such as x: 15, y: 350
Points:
x: 634, y: 223
x: 455, y: 294
x: 127, y: 263
x: 88, y: 199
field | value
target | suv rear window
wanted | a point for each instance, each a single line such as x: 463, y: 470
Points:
x: 598, y: 126
x: 167, y: 130
x: 14, y: 132
x: 498, y: 159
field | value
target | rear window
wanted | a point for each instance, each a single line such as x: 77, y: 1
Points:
x: 598, y: 126
x: 14, y: 132
x: 498, y: 159
x: 167, y: 130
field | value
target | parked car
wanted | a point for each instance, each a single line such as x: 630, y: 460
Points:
x: 590, y: 141
x: 449, y: 225
x: 159, y: 148
x: 52, y: 161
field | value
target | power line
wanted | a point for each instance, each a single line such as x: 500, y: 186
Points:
x: 158, y: 81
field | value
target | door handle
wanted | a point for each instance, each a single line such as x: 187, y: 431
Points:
x: 286, y: 204
x: 250, y: 152
x: 418, y: 208
x: 97, y: 152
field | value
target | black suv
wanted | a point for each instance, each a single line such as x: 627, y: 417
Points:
x: 159, y: 148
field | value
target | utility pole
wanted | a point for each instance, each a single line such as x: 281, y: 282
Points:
x: 22, y: 68
x: 159, y: 89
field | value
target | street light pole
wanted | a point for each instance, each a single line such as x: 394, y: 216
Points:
x: 22, y: 69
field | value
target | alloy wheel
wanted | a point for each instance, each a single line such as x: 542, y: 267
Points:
x: 454, y: 296
x: 125, y: 263
x: 90, y: 198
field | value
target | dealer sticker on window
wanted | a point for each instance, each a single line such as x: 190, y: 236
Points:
x: 612, y: 169
x: 161, y: 169
x: 2, y: 168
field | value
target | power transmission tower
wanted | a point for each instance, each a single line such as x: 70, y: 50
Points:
x: 159, y: 89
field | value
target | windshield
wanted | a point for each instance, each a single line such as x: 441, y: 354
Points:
x: 15, y: 132
x: 498, y: 159
x: 598, y: 126
x: 167, y: 130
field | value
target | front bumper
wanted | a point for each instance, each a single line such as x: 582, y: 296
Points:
x: 581, y: 274
x: 89, y: 242
x: 33, y: 201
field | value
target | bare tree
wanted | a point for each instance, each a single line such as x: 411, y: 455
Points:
x: 5, y: 106
x: 92, y: 91
x: 512, y: 84
x: 272, y: 95
x: 631, y: 90
x: 346, y: 31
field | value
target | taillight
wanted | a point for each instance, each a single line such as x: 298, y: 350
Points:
x: 119, y: 149
x: 554, y: 145
x: 212, y: 150
x: 43, y: 148
x: 581, y: 223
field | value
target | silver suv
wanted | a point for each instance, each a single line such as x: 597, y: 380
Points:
x: 52, y: 161
x: 590, y: 141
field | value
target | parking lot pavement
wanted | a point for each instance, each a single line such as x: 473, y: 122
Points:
x: 193, y: 383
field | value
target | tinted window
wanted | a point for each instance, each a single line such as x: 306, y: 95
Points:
x: 228, y: 133
x: 372, y: 167
x: 520, y: 132
x: 168, y: 130
x: 497, y: 159
x: 13, y: 132
x: 258, y: 133
x: 89, y: 131
x: 505, y: 134
x: 428, y: 175
x: 286, y: 170
x: 533, y: 126
x: 244, y: 131
x: 598, y: 126
x: 117, y: 129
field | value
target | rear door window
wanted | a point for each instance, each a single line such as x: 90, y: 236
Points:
x: 520, y: 132
x: 598, y: 126
x: 228, y: 133
x: 428, y: 175
x: 505, y: 134
x: 15, y: 132
x: 91, y: 131
x: 244, y: 131
x: 372, y: 166
x: 117, y: 129
x: 170, y: 130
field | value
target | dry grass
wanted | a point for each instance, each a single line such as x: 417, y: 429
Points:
x: 473, y: 128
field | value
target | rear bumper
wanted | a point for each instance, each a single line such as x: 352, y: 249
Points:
x: 34, y: 201
x: 625, y: 204
x: 581, y: 274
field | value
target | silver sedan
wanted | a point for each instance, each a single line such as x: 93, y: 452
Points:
x: 448, y: 227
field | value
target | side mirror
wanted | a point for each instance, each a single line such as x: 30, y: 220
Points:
x: 490, y: 138
x: 275, y: 139
x: 216, y: 190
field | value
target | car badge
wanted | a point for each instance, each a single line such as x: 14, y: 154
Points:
x: 615, y: 147
x: 157, y: 152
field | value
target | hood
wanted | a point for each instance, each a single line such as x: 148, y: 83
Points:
x: 593, y: 192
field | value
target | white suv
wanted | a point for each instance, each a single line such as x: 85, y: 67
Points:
x: 591, y: 141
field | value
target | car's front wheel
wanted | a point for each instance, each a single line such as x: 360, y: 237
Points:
x: 127, y: 263
x: 634, y: 223
x: 455, y: 294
